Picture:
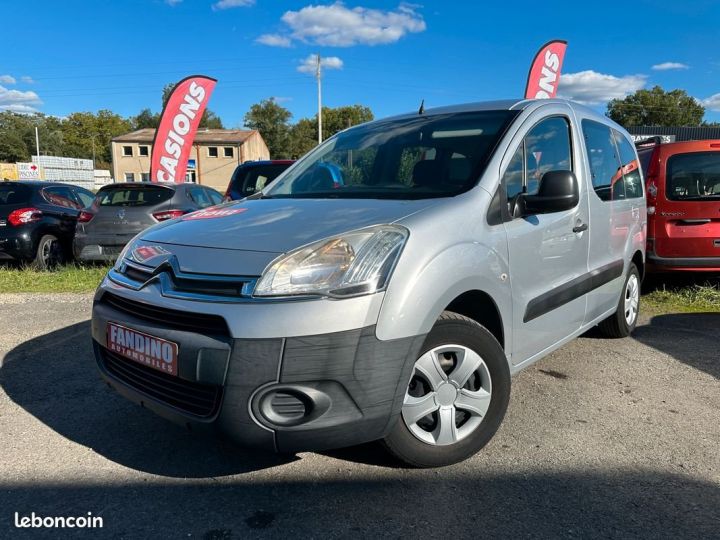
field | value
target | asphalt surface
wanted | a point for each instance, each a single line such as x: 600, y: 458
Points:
x: 608, y: 439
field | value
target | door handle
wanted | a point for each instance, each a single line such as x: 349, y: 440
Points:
x: 580, y: 228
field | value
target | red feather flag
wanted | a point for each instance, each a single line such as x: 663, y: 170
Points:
x: 544, y: 75
x: 178, y: 124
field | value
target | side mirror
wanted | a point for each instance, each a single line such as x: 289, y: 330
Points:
x: 558, y: 191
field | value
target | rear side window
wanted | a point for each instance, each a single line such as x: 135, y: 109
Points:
x: 630, y: 167
x: 14, y: 194
x: 645, y: 156
x: 693, y: 177
x: 215, y: 197
x: 605, y: 170
x: 86, y: 197
x: 145, y: 196
x: 61, y: 196
x: 199, y: 196
x: 247, y: 181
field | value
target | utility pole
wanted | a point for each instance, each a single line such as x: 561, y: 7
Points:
x: 93, y: 144
x: 37, y: 144
x: 318, y: 76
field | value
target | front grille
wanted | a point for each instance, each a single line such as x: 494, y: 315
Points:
x: 169, y: 318
x: 175, y: 283
x: 202, y: 400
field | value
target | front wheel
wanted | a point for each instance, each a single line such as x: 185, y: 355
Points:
x: 621, y: 323
x: 456, y: 398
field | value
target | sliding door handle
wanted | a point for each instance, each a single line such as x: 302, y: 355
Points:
x: 580, y: 228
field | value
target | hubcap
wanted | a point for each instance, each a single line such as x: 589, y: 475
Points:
x: 632, y: 299
x: 448, y: 395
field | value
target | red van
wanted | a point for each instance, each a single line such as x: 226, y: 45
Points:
x: 683, y: 205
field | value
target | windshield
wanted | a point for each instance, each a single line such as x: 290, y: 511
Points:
x: 127, y: 196
x: 412, y: 158
x: 694, y: 177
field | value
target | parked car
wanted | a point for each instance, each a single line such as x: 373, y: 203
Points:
x: 683, y: 194
x: 37, y: 221
x: 120, y: 211
x: 463, y: 244
x: 253, y: 176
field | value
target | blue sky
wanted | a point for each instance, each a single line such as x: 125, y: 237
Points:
x: 60, y: 57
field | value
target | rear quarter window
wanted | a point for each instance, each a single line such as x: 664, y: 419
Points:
x: 144, y: 196
x: 14, y: 194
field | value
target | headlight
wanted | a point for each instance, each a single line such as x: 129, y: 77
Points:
x: 349, y: 265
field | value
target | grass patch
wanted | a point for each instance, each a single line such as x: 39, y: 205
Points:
x: 69, y: 278
x: 688, y: 299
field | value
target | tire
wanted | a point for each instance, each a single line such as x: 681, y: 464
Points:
x: 48, y: 254
x: 621, y: 323
x: 431, y: 441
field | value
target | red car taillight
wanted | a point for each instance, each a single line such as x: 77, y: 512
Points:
x: 85, y: 217
x: 168, y: 214
x: 21, y: 216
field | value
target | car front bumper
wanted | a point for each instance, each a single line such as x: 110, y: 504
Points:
x: 293, y: 393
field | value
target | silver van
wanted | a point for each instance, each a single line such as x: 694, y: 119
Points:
x: 387, y: 285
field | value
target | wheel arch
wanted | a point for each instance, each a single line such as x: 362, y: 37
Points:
x: 481, y: 308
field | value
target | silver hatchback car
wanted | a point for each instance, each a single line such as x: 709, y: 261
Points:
x: 387, y: 285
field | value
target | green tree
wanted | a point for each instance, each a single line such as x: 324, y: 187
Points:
x: 656, y: 107
x: 145, y: 119
x: 303, y: 135
x: 339, y: 118
x: 271, y: 120
x: 85, y: 131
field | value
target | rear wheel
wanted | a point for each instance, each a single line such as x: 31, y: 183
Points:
x: 48, y: 254
x: 456, y: 397
x: 621, y: 323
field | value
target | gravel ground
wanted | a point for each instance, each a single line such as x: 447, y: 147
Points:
x: 610, y: 439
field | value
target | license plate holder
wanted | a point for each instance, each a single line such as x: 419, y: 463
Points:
x: 145, y: 349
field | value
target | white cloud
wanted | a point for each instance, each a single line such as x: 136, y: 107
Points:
x: 17, y: 101
x: 712, y: 103
x: 172, y: 2
x: 282, y: 99
x: 227, y: 4
x: 336, y: 25
x: 7, y: 79
x: 593, y: 88
x: 274, y: 40
x: 27, y: 79
x: 666, y: 66
x: 327, y: 62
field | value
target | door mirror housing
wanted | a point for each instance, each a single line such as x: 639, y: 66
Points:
x: 558, y: 192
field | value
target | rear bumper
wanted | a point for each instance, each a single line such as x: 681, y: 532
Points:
x: 88, y: 248
x: 16, y: 246
x: 685, y: 264
x: 283, y: 394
